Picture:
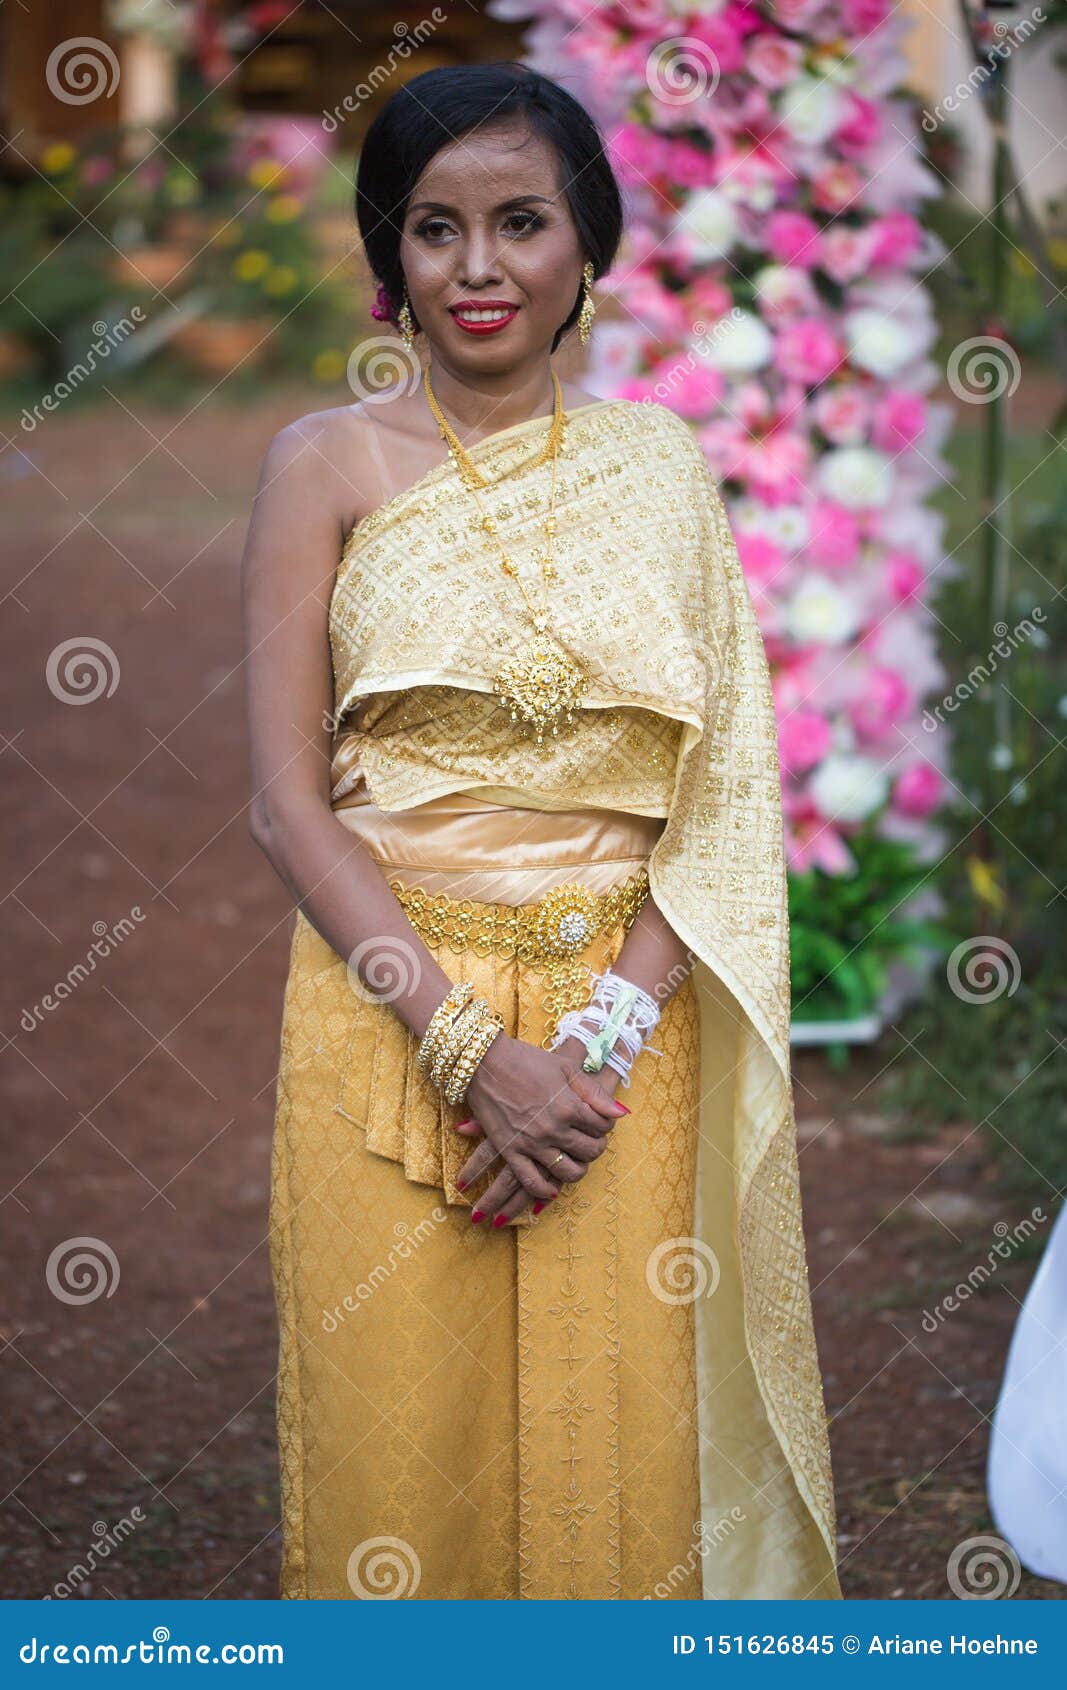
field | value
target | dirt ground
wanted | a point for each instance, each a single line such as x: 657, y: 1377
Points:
x: 139, y: 1107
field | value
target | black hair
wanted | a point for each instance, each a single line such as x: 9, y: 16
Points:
x: 441, y: 105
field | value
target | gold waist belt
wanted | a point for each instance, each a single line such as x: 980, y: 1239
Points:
x: 558, y: 925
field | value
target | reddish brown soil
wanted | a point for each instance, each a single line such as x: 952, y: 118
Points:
x: 140, y: 1108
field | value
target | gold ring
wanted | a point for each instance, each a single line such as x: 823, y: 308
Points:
x: 556, y: 1159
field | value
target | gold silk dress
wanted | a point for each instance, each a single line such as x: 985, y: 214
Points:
x: 621, y: 1397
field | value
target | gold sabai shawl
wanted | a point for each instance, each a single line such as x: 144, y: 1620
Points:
x: 678, y: 722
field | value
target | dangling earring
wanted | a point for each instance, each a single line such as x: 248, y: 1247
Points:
x: 588, y: 310
x: 405, y: 323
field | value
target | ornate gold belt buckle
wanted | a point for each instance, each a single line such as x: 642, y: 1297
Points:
x: 565, y: 920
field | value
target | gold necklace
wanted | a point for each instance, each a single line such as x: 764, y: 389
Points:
x: 540, y: 683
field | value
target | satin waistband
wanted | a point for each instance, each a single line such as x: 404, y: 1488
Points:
x: 471, y: 847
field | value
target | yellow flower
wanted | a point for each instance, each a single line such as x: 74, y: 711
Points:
x: 57, y: 157
x: 265, y: 173
x: 984, y: 883
x: 1058, y: 250
x: 182, y: 190
x: 283, y: 209
x: 282, y: 279
x: 249, y: 266
x: 329, y: 365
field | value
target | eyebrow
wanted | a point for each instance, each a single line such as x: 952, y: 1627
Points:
x: 505, y: 205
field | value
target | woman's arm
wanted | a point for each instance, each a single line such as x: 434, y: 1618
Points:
x: 526, y: 1106
x: 294, y: 541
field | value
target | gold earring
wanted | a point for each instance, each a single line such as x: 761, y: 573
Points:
x: 588, y: 310
x: 405, y: 323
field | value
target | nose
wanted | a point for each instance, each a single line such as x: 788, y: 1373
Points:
x: 480, y: 264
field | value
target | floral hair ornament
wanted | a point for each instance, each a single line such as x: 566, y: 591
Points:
x: 382, y: 309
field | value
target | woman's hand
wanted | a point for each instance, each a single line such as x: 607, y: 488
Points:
x: 542, y: 1115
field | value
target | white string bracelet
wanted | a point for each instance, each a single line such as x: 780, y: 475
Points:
x: 640, y: 1013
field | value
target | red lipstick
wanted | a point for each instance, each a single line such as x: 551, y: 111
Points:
x: 492, y: 326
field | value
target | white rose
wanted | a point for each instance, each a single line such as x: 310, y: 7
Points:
x: 820, y: 613
x: 741, y: 343
x: 811, y: 109
x: 879, y: 343
x: 778, y: 284
x: 848, y: 788
x: 709, y: 223
x: 789, y: 526
x: 857, y: 477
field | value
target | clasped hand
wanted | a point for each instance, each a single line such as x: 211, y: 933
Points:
x: 542, y: 1116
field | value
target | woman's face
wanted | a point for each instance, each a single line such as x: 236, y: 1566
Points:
x: 488, y: 222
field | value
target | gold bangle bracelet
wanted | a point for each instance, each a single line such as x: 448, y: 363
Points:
x: 442, y: 1018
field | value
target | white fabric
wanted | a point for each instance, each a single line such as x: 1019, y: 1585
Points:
x: 1027, y: 1470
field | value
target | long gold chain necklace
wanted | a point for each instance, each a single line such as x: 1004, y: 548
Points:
x: 540, y: 683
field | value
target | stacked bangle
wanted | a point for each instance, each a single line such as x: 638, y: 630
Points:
x: 460, y: 1032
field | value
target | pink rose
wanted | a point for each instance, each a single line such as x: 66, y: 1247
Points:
x: 843, y: 412
x: 899, y: 421
x: 904, y: 575
x: 710, y: 298
x: 835, y: 535
x: 918, y: 790
x: 861, y: 17
x: 804, y: 739
x: 792, y: 238
x: 884, y: 701
x: 774, y: 60
x: 844, y: 254
x: 691, y: 390
x: 808, y: 351
x: 861, y: 127
x: 837, y: 187
x: 895, y: 238
x: 760, y: 558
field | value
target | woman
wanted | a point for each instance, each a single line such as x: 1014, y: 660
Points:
x: 535, y: 1342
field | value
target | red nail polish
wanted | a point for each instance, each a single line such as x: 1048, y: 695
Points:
x: 477, y: 1215
x: 537, y: 1208
x: 458, y: 1125
x: 621, y: 1107
x: 461, y: 1185
x: 500, y: 1220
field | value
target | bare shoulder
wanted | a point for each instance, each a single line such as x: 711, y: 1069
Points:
x: 332, y: 456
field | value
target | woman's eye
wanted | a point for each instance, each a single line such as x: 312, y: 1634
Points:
x: 431, y: 227
x: 528, y: 219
